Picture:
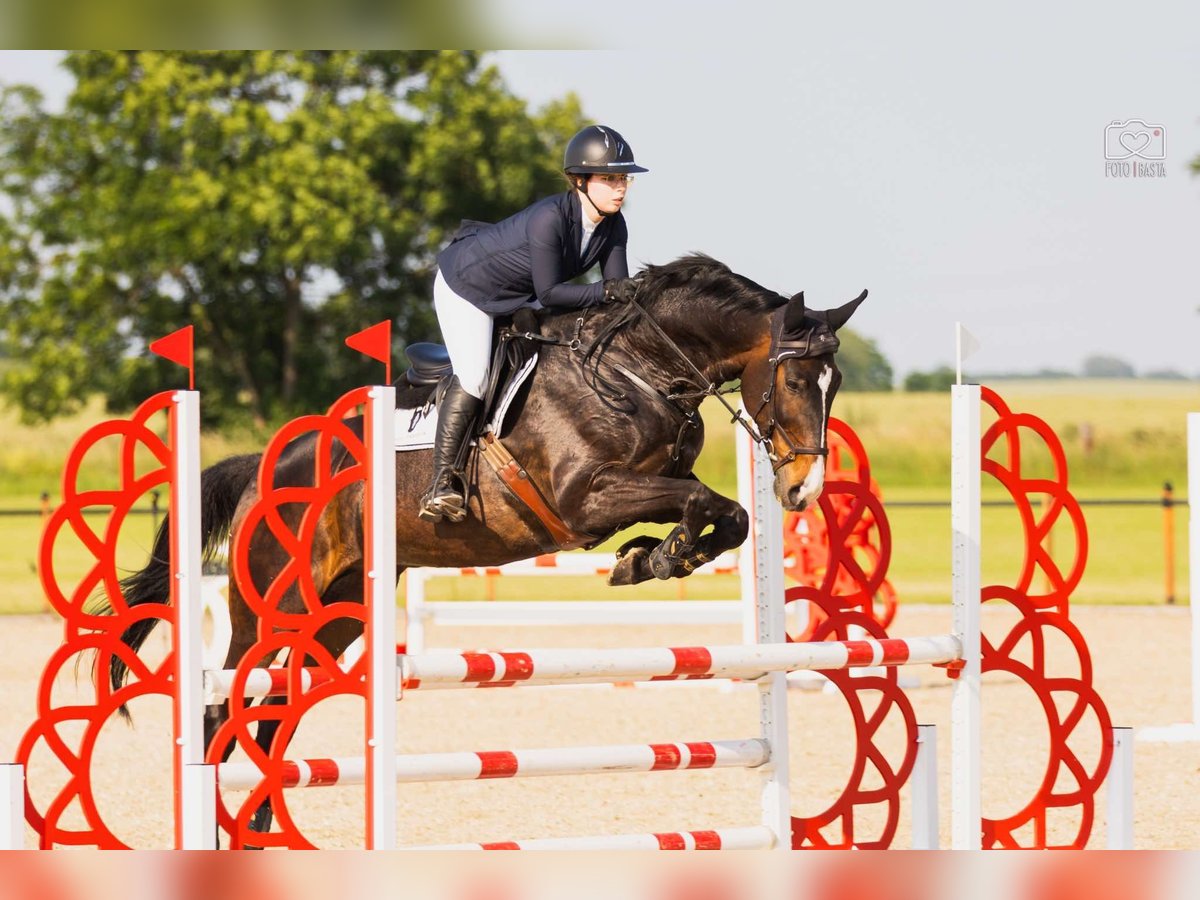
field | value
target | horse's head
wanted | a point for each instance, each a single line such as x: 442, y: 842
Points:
x: 789, y: 388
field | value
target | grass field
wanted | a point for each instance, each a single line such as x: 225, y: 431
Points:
x: 1137, y: 443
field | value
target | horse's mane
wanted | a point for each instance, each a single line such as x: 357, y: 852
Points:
x: 700, y: 274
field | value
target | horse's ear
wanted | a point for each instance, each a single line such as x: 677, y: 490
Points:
x: 793, y: 317
x: 836, y: 318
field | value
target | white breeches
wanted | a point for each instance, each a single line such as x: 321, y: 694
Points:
x: 467, y: 333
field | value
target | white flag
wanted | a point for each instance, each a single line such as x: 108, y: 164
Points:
x: 965, y: 344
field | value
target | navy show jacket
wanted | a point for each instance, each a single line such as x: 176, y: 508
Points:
x: 531, y: 255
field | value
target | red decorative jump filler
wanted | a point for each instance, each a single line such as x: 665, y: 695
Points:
x: 1066, y: 691
x: 290, y: 613
x: 840, y: 552
x: 61, y: 804
x: 841, y: 547
x: 91, y: 638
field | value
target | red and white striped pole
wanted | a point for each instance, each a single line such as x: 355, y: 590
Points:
x: 453, y: 669
x: 481, y: 766
x: 753, y: 838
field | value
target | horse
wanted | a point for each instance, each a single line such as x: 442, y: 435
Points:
x: 607, y: 426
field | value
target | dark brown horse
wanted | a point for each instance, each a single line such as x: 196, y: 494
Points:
x: 607, y: 427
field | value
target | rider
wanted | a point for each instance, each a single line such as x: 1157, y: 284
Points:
x: 527, y: 259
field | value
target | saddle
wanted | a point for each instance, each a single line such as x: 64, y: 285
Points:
x: 429, y: 363
x: 512, y: 353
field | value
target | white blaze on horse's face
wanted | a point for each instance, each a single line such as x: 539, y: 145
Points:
x: 797, y: 497
x: 814, y: 482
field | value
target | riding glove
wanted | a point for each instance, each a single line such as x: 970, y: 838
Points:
x: 620, y: 290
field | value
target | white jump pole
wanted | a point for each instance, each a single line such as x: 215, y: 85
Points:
x: 1188, y: 732
x: 965, y: 477
x: 196, y: 811
x: 381, y: 610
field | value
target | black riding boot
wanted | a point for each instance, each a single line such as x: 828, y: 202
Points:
x: 446, y: 498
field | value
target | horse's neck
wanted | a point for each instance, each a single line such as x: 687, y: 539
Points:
x: 714, y: 340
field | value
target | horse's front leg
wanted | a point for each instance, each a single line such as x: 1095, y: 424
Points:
x: 617, y: 498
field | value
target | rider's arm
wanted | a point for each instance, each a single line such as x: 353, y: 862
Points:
x: 546, y: 249
x: 613, y: 263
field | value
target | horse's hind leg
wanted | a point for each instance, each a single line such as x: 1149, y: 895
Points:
x: 244, y: 636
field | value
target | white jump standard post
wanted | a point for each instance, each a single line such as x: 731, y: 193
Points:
x: 12, y: 806
x: 196, y: 811
x: 925, y: 817
x: 1120, y: 791
x: 769, y: 627
x: 381, y: 625
x: 966, y: 714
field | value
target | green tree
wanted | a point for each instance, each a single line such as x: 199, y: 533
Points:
x: 939, y: 379
x: 1107, y: 367
x: 277, y: 200
x: 864, y: 367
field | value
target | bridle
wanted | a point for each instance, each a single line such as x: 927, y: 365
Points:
x: 816, y: 339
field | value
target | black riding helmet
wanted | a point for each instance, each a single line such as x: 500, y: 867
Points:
x: 598, y: 149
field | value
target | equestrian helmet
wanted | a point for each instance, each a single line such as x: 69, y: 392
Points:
x: 598, y: 149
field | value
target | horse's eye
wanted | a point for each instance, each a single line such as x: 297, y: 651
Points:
x: 793, y: 385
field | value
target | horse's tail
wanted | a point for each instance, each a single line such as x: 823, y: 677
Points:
x: 221, y: 486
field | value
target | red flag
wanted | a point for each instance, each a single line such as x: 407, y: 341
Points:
x: 177, y: 347
x: 375, y: 342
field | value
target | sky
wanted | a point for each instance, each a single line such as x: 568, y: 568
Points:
x: 953, y: 165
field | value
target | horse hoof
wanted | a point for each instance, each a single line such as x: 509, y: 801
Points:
x: 626, y: 571
x: 642, y: 542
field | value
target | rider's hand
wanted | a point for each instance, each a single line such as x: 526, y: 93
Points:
x: 620, y: 290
